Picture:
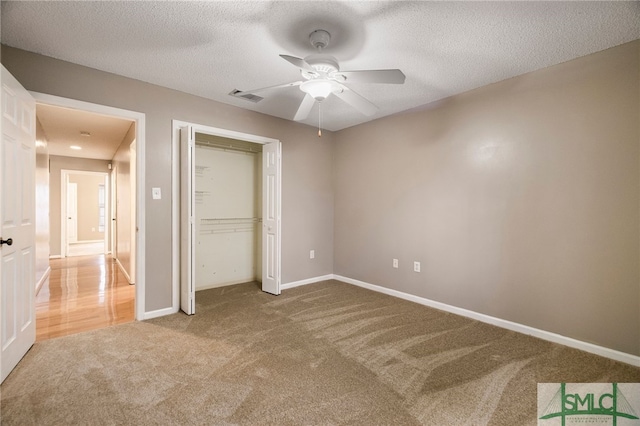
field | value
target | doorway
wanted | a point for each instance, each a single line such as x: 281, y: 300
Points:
x: 84, y: 208
x: 258, y: 218
x: 132, y: 199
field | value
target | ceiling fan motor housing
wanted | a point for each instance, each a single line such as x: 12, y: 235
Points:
x: 323, y: 64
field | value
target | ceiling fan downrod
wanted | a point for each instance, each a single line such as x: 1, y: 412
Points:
x: 320, y: 39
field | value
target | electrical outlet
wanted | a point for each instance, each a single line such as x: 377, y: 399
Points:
x: 395, y: 263
x: 416, y: 266
x: 312, y: 254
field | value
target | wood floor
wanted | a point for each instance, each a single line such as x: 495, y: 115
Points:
x: 83, y: 293
x: 84, y: 248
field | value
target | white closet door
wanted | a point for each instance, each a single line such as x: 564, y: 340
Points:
x: 187, y: 225
x: 271, y: 218
x: 17, y: 220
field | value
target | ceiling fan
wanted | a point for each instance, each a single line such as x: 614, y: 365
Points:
x: 322, y: 77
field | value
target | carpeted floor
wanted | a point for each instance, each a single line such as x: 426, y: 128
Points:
x: 322, y: 354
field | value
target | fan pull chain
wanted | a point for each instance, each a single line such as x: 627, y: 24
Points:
x: 319, y: 119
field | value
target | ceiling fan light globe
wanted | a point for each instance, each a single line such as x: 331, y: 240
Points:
x: 318, y: 89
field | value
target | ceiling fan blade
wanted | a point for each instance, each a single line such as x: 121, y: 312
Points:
x: 305, y: 108
x: 374, y: 76
x: 358, y: 102
x: 240, y: 93
x: 300, y: 63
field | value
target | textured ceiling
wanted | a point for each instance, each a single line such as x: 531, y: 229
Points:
x: 211, y: 48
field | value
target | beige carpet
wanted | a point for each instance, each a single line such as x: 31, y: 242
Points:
x: 322, y: 354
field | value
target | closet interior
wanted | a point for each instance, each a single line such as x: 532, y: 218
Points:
x: 228, y: 211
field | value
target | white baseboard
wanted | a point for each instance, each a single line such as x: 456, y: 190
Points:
x: 55, y: 256
x: 520, y: 328
x: 159, y: 313
x: 124, y: 272
x: 307, y: 281
x: 79, y: 242
x: 42, y: 279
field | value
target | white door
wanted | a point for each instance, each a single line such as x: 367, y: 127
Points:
x: 271, y: 218
x: 72, y: 213
x: 187, y: 226
x: 114, y: 203
x: 17, y: 217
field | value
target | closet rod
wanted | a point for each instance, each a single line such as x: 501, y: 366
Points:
x: 230, y: 221
x: 228, y: 147
x: 255, y: 219
x: 226, y: 231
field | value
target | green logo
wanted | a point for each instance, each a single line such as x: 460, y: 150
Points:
x: 582, y: 402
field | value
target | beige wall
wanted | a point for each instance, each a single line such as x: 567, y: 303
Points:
x: 88, y: 209
x: 520, y: 200
x: 57, y: 165
x: 42, y: 203
x: 307, y: 197
x: 122, y: 168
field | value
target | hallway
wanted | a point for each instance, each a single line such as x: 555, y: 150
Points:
x: 83, y: 293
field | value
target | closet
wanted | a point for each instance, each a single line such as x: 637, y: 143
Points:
x: 229, y: 214
x: 228, y: 211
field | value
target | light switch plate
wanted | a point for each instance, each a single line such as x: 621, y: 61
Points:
x: 156, y: 194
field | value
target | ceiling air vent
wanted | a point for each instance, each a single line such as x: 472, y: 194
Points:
x: 248, y: 96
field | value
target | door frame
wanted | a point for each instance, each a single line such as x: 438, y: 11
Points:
x: 64, y: 182
x: 176, y: 125
x: 134, y: 211
x: 139, y: 119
